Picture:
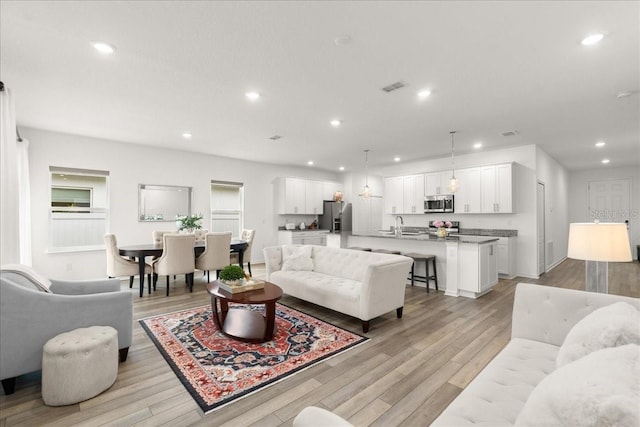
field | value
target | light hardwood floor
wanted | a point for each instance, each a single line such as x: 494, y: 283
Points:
x: 405, y: 375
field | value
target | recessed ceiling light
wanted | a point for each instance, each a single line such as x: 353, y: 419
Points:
x: 341, y: 168
x: 477, y: 145
x: 252, y: 96
x: 600, y: 144
x: 310, y: 162
x: 592, y: 39
x: 605, y: 161
x: 103, y: 47
x: 335, y: 123
x: 187, y: 135
x: 396, y: 159
x: 424, y: 93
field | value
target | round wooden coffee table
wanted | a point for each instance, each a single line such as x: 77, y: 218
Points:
x: 245, y: 325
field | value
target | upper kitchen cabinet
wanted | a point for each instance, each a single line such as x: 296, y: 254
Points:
x: 292, y: 196
x: 497, y: 188
x: 394, y: 195
x: 436, y: 183
x: 314, y: 197
x: 304, y: 197
x: 468, y: 198
x: 413, y: 194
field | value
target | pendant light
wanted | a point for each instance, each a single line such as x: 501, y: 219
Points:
x: 453, y: 183
x: 366, y: 191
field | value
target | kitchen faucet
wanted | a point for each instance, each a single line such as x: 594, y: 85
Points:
x: 396, y: 228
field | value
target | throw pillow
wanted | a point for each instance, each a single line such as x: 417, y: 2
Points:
x: 610, y: 326
x: 600, y: 389
x: 297, y: 258
x: 40, y: 281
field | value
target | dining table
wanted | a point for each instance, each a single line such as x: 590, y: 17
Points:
x: 141, y: 251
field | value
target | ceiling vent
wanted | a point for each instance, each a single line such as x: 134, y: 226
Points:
x: 510, y: 133
x: 275, y: 137
x: 394, y: 86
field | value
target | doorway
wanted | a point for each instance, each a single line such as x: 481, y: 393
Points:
x: 540, y: 225
x: 610, y: 201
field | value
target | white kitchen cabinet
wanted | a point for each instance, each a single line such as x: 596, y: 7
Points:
x: 436, y: 183
x: 478, y: 271
x: 313, y: 197
x: 413, y: 194
x: 393, y: 195
x: 468, y: 198
x: 292, y: 196
x: 507, y: 256
x: 310, y: 237
x: 497, y: 188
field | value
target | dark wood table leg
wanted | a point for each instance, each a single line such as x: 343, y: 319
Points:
x: 141, y: 271
x: 270, y: 315
x: 241, y: 258
x: 214, y: 310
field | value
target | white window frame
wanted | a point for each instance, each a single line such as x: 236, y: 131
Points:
x: 58, y: 213
x: 217, y: 213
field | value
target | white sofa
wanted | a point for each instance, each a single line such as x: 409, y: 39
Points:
x: 542, y: 318
x: 358, y: 283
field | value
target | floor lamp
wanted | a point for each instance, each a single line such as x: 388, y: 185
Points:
x: 598, y: 244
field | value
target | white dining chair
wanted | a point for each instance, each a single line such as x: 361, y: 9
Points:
x: 216, y: 253
x: 247, y: 236
x: 118, y: 266
x: 177, y: 258
x: 200, y: 235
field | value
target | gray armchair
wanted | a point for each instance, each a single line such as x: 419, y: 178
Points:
x: 31, y: 314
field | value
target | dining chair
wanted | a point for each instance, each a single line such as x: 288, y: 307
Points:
x: 247, y: 236
x: 118, y: 266
x: 200, y: 235
x: 177, y: 258
x: 216, y: 253
x: 157, y: 236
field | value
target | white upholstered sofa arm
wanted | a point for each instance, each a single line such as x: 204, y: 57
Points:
x: 383, y: 287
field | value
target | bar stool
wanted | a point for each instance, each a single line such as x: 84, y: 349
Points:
x: 386, y: 251
x: 426, y: 258
x: 357, y: 248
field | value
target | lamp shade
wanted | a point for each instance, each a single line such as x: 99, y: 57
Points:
x: 597, y: 241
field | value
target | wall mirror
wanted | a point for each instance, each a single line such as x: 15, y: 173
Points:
x: 163, y: 202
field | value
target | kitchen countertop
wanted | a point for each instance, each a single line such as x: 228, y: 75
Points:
x: 306, y: 229
x: 433, y: 238
x: 488, y: 232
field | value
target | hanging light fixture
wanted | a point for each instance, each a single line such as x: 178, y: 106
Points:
x: 453, y: 183
x: 366, y: 191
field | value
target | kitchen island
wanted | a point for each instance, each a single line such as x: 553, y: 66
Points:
x: 466, y: 265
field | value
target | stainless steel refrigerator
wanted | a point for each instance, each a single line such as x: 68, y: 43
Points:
x: 336, y: 217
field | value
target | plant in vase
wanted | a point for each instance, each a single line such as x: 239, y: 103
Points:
x: 232, y: 275
x: 189, y: 223
x: 442, y: 227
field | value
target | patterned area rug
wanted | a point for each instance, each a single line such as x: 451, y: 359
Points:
x: 216, y: 370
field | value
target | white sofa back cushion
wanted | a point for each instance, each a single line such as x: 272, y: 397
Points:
x: 600, y: 389
x: 297, y: 258
x: 610, y: 326
x: 347, y: 263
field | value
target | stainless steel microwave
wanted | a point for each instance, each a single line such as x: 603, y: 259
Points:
x: 439, y: 203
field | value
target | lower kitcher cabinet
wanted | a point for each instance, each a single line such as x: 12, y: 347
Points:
x: 479, y: 271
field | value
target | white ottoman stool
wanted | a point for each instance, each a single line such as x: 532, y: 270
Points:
x: 79, y: 365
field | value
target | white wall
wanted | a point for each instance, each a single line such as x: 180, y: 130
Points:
x: 556, y: 185
x: 579, y: 196
x: 130, y: 165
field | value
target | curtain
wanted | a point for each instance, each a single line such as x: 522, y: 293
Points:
x: 24, y: 202
x: 15, y: 192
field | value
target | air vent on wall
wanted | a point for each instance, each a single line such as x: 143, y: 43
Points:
x: 275, y: 137
x: 394, y: 86
x: 510, y: 133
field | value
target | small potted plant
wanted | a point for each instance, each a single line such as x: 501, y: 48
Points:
x: 232, y: 275
x: 189, y: 223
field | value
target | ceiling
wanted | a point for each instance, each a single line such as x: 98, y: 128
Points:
x: 183, y: 66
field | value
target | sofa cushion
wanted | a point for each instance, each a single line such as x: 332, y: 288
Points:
x: 34, y: 278
x: 496, y: 396
x: 599, y: 389
x: 610, y: 326
x: 297, y: 258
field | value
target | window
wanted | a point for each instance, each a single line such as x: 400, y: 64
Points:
x: 227, y: 205
x: 78, y: 209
